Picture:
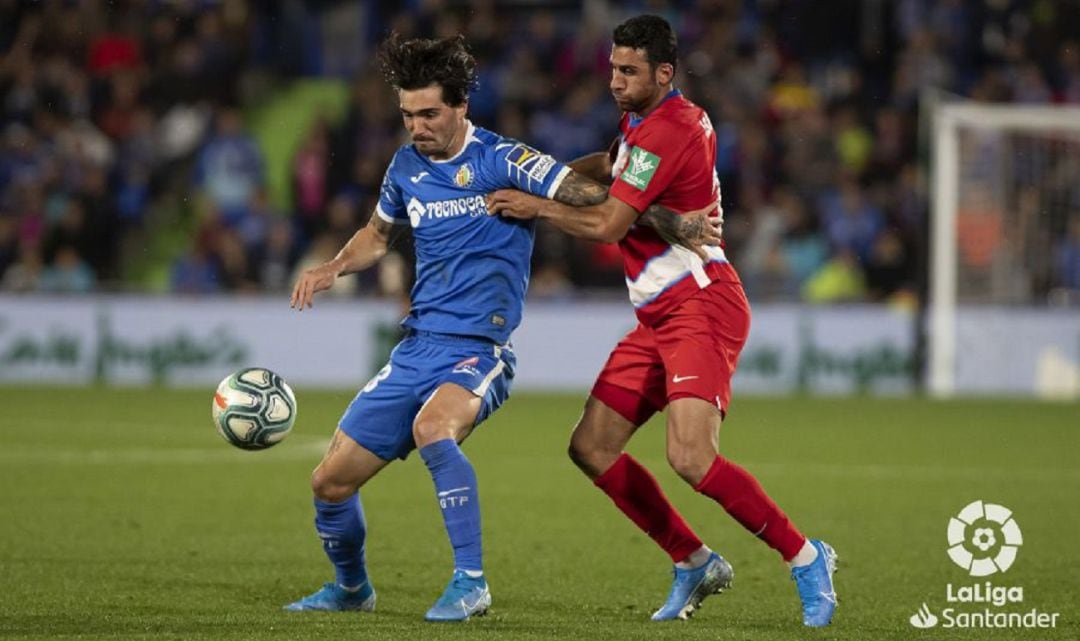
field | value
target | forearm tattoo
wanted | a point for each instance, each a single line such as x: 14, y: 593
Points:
x: 577, y: 190
x: 673, y: 228
x: 335, y: 443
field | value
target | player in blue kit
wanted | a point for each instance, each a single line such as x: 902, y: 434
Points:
x: 455, y: 365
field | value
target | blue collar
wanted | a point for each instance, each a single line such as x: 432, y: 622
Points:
x: 635, y: 119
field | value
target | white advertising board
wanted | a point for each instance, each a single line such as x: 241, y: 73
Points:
x: 196, y: 342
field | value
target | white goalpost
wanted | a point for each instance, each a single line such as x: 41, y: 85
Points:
x: 1005, y: 196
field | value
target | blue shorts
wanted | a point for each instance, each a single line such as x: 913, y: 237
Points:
x: 381, y: 416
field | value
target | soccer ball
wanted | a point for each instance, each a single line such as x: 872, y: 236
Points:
x: 254, y: 408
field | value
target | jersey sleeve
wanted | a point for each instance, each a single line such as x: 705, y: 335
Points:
x: 391, y: 205
x: 654, y: 161
x: 519, y: 166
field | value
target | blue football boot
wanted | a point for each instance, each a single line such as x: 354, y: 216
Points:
x: 816, y: 586
x: 334, y: 598
x: 690, y: 588
x: 465, y: 596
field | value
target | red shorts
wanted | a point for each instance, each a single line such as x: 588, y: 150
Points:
x: 691, y: 352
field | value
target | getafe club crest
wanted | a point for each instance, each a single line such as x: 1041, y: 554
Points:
x: 464, y: 176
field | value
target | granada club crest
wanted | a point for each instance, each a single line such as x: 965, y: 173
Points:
x: 464, y: 176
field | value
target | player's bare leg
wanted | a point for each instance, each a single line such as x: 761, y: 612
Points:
x: 599, y: 438
x: 693, y: 452
x: 448, y: 414
x: 339, y: 519
x: 597, y: 448
x: 345, y: 468
x: 445, y: 420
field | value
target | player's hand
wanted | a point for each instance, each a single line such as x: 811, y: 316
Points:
x: 511, y: 203
x: 697, y: 230
x: 312, y: 281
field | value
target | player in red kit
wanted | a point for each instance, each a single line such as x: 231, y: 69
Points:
x: 693, y: 321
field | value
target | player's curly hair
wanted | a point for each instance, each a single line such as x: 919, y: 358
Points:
x: 419, y: 62
x: 651, y: 33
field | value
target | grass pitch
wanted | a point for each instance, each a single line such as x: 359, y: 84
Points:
x: 124, y: 516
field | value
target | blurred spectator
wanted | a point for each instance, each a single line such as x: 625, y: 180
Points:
x: 851, y: 223
x: 586, y: 123
x: 803, y: 247
x: 854, y: 145
x: 1067, y: 257
x: 24, y: 275
x: 310, y: 178
x: 839, y: 281
x: 275, y: 257
x: 9, y: 241
x: 229, y: 167
x: 66, y: 273
x: 888, y: 267
x: 198, y: 271
x: 111, y: 112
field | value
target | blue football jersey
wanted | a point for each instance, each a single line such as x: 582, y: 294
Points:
x: 472, y: 269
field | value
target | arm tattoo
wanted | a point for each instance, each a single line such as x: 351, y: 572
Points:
x: 384, y: 228
x: 389, y: 231
x: 578, y: 191
x: 673, y: 228
x: 335, y: 443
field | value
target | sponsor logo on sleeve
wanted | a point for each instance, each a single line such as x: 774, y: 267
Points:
x: 641, y: 168
x: 530, y: 162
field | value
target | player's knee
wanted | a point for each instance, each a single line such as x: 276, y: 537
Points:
x: 326, y: 488
x: 429, y: 429
x: 689, y: 463
x: 589, y: 455
x: 578, y: 454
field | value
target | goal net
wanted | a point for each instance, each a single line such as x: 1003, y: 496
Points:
x: 1005, y: 250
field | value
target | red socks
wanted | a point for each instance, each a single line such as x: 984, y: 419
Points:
x: 636, y: 492
x: 738, y: 492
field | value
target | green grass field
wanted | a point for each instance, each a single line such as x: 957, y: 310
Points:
x: 124, y: 516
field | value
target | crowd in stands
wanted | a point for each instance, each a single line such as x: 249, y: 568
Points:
x: 127, y: 161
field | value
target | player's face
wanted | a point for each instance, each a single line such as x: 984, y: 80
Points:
x: 436, y: 128
x: 637, y: 85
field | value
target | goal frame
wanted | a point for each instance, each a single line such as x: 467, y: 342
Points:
x: 948, y: 119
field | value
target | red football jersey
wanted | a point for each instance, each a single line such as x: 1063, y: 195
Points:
x: 668, y: 158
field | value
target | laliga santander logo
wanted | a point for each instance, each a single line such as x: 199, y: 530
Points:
x: 984, y: 538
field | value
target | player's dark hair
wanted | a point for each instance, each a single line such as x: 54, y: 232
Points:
x: 651, y: 33
x: 419, y: 62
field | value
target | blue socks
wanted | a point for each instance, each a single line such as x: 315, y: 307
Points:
x: 455, y: 487
x: 342, y: 530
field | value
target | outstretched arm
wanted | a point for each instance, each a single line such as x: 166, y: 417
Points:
x: 363, y: 250
x: 583, y: 208
x: 694, y: 230
x: 596, y: 166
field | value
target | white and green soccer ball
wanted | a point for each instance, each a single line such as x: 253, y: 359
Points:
x: 254, y: 408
